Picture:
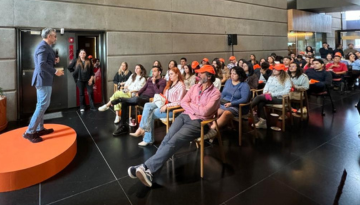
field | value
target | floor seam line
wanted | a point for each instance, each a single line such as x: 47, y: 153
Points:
x: 124, y: 191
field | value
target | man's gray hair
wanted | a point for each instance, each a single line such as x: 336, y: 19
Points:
x: 46, y: 31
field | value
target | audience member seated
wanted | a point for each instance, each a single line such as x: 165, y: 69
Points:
x: 135, y: 82
x: 310, y: 49
x: 189, y: 77
x: 286, y: 61
x: 299, y: 82
x: 337, y: 69
x: 154, y: 85
x: 218, y: 69
x: 205, y: 61
x: 217, y: 82
x: 309, y: 63
x: 350, y: 49
x: 225, y: 71
x: 271, y: 61
x: 278, y: 84
x: 251, y: 79
x: 236, y: 91
x: 355, y: 72
x: 122, y: 75
x: 300, y: 61
x: 263, y: 74
x: 174, y: 92
x: 156, y: 63
x: 172, y: 64
x: 329, y: 58
x: 232, y: 61
x: 319, y: 77
x: 181, y: 67
x: 200, y: 103
x: 253, y: 60
x: 339, y: 48
x: 325, y: 50
x: 262, y: 60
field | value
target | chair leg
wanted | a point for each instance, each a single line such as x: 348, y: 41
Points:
x: 322, y: 107
x: 240, y: 125
x: 202, y: 153
x: 283, y: 114
x: 253, y: 121
x: 130, y: 112
x: 220, y: 143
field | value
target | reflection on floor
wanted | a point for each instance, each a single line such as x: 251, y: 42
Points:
x: 301, y: 166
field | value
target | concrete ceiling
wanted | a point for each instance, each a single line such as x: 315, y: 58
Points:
x: 324, y: 6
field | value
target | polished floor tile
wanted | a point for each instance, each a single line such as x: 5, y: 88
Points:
x: 27, y: 196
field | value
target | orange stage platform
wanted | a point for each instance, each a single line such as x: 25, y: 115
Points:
x: 23, y: 164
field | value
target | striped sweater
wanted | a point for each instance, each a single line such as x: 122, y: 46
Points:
x: 175, y: 94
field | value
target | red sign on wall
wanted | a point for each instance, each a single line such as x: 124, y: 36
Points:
x: 71, y: 52
x: 71, y: 40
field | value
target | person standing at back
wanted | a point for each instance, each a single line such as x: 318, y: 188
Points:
x: 42, y: 79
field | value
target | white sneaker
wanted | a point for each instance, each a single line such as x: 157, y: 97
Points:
x: 304, y: 110
x: 117, y: 119
x: 261, y: 124
x: 103, y: 108
x: 144, y: 144
x: 82, y: 110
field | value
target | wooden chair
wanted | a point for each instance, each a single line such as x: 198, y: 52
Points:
x: 300, y: 97
x: 324, y: 94
x: 168, y: 120
x: 283, y: 108
x: 203, y: 123
x: 239, y: 119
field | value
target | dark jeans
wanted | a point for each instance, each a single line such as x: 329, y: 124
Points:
x: 126, y: 102
x: 316, y: 88
x: 182, y: 131
x: 82, y: 85
x: 260, y: 102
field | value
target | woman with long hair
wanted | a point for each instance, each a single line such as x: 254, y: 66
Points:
x: 271, y: 61
x: 174, y: 91
x: 309, y: 49
x: 253, y: 60
x: 225, y: 71
x: 189, y: 77
x: 84, y: 78
x: 299, y: 82
x: 122, y: 75
x: 172, y: 64
x: 236, y: 91
x: 329, y: 58
x: 135, y: 82
x: 278, y: 84
x: 251, y: 79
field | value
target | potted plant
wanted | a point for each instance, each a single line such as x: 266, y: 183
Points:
x: 3, y: 120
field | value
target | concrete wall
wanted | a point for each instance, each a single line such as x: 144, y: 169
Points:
x: 336, y: 25
x: 141, y: 31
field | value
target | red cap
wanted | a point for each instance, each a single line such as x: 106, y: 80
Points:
x: 90, y: 56
x: 206, y: 68
x: 205, y: 59
x: 338, y: 54
x: 279, y: 67
x: 194, y: 64
x: 232, y: 58
x: 222, y: 60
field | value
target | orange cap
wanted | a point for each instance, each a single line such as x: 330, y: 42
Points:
x: 232, y: 58
x: 338, y: 54
x: 222, y: 60
x: 279, y: 67
x: 205, y: 59
x: 90, y: 56
x: 206, y: 68
x: 194, y: 64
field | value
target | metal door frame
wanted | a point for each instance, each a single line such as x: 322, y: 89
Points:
x: 101, y: 51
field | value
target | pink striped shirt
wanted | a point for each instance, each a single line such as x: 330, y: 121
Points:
x: 175, y: 94
x: 201, y: 105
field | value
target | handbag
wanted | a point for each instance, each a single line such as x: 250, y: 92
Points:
x: 160, y: 100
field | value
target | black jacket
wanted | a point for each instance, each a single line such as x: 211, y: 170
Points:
x: 121, y: 78
x: 82, y: 70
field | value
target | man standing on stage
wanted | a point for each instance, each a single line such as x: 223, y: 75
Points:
x: 42, y: 79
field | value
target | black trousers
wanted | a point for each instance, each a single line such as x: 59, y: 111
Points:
x: 315, y: 88
x: 126, y: 102
x: 82, y: 85
x: 260, y: 102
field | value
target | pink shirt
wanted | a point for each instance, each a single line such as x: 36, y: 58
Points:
x: 175, y: 94
x: 201, y: 105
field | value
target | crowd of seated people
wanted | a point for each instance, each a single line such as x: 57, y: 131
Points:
x: 207, y: 90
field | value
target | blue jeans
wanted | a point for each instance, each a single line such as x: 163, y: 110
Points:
x: 150, y: 113
x: 43, y: 94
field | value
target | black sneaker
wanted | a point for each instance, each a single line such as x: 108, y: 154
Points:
x: 44, y: 131
x: 145, y: 176
x: 34, y: 138
x: 132, y: 171
x: 121, y: 130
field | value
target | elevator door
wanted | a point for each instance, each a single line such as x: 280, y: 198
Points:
x: 59, y: 97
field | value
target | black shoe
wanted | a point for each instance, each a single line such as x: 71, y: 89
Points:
x: 122, y: 129
x: 93, y: 109
x: 132, y: 171
x: 34, y: 138
x: 145, y: 176
x: 44, y: 132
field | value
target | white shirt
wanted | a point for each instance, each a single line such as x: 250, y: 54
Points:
x: 137, y: 84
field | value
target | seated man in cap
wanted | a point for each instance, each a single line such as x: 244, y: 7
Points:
x: 319, y: 78
x: 232, y: 63
x: 200, y: 103
x: 337, y: 69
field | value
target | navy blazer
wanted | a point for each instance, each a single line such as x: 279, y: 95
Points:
x: 44, y: 59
